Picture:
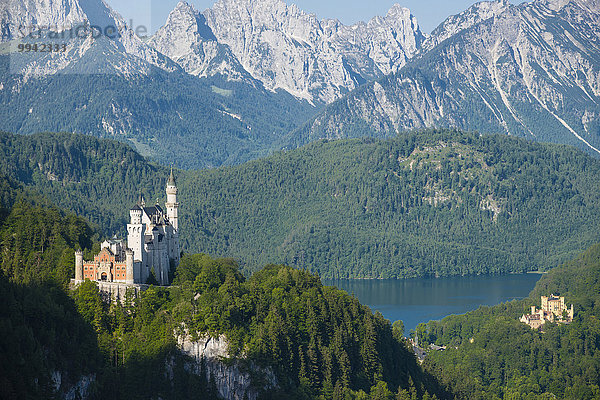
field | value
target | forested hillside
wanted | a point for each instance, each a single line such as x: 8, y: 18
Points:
x: 492, y: 355
x: 429, y: 203
x: 44, y: 341
x: 172, y: 117
x: 317, y: 341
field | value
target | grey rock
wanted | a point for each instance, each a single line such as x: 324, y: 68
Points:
x: 73, y: 19
x: 188, y: 40
x: 233, y: 382
x: 531, y: 70
x: 286, y: 48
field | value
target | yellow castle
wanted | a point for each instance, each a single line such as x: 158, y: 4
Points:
x: 553, y: 310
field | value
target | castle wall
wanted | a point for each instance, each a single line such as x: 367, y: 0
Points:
x: 552, y: 311
x: 152, y: 242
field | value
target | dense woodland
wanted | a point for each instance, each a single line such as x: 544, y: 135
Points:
x: 491, y: 355
x: 171, y: 117
x: 318, y: 342
x: 434, y: 203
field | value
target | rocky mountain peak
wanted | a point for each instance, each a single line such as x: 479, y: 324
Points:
x: 287, y: 48
x: 18, y: 16
x: 455, y: 24
x: 182, y: 11
x: 127, y: 53
x: 189, y: 41
x: 398, y: 11
x: 528, y: 70
x: 185, y: 24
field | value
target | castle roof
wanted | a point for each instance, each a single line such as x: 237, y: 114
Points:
x: 136, y: 208
x: 154, y: 210
x: 106, y: 250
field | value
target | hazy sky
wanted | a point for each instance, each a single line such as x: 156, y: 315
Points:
x: 429, y: 13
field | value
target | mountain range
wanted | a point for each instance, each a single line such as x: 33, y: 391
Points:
x: 245, y: 78
x: 125, y: 89
x: 530, y: 70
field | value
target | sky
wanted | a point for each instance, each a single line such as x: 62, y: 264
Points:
x: 429, y: 13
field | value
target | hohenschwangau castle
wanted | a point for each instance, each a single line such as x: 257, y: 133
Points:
x: 152, y: 245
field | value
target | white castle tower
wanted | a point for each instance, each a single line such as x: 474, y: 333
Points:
x: 172, y: 207
x: 153, y: 236
x: 152, y: 246
x: 135, y: 240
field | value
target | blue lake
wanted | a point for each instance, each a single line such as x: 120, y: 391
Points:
x: 421, y: 300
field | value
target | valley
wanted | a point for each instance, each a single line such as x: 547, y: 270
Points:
x: 337, y: 196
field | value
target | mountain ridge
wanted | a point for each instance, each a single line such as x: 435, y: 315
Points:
x: 523, y: 72
x: 227, y: 91
x: 122, y: 88
x: 190, y: 42
x: 314, y: 60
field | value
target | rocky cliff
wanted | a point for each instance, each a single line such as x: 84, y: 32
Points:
x: 69, y: 23
x: 455, y: 24
x: 233, y: 380
x: 285, y: 48
x: 189, y: 41
x: 531, y: 70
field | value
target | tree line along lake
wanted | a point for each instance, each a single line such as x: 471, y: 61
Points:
x: 423, y: 299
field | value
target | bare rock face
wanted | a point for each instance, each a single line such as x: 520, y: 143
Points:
x: 70, y: 22
x: 187, y: 40
x: 455, y: 24
x: 16, y: 16
x: 531, y: 70
x: 232, y: 383
x: 286, y: 48
x: 67, y: 389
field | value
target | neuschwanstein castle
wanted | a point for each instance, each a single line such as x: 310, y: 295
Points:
x: 152, y: 246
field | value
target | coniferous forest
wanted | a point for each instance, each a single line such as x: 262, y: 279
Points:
x: 314, y: 341
x: 434, y: 203
x: 218, y: 169
x: 491, y: 355
x: 297, y: 338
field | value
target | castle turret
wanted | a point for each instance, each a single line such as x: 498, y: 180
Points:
x: 171, y: 205
x: 78, y: 266
x: 135, y: 215
x: 129, y: 260
x: 571, y: 312
x: 135, y: 234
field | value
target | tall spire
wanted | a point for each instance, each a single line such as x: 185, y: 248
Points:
x: 171, y: 181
